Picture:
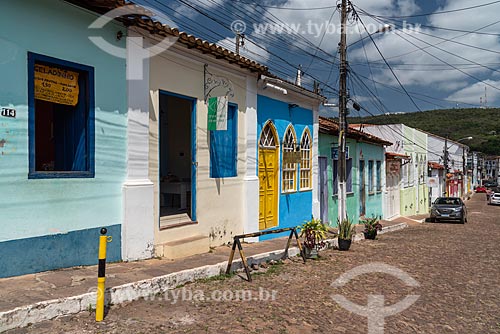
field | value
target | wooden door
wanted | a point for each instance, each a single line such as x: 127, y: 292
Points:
x: 323, y: 188
x: 362, y: 188
x: 268, y: 188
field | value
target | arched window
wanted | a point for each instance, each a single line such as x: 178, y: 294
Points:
x: 289, y: 169
x: 267, y: 137
x: 305, y: 160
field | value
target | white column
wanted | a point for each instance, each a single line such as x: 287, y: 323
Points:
x: 251, y: 180
x: 315, y: 167
x: 138, y: 222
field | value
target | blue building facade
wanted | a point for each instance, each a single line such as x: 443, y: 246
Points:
x: 63, y: 137
x: 294, y: 192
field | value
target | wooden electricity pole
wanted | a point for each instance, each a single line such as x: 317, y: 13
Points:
x: 342, y: 184
x: 445, y: 193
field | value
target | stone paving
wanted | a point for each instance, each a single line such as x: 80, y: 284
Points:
x: 456, y: 266
x: 30, y: 289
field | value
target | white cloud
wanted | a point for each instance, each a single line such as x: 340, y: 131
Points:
x: 419, y: 69
x: 473, y: 93
x: 415, y: 68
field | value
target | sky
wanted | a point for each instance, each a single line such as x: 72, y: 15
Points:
x: 442, y: 60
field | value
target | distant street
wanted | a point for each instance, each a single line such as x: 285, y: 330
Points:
x: 457, y: 267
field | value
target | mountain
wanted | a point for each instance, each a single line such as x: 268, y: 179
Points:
x: 481, y: 124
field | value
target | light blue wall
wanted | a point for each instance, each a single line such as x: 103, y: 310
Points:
x: 294, y: 208
x: 374, y: 199
x: 352, y: 200
x: 357, y: 151
x: 33, y: 208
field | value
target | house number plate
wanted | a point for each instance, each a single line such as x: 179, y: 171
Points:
x: 8, y: 112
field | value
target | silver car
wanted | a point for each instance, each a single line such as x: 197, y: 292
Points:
x: 448, y: 208
x: 494, y: 199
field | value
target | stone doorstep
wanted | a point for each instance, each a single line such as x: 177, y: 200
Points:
x: 50, y: 309
x: 194, y: 245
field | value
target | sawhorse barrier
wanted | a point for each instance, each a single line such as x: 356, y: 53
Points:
x: 237, y: 243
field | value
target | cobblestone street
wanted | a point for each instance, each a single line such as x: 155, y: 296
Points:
x: 457, y: 268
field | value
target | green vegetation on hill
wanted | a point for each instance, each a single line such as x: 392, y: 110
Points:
x: 481, y: 124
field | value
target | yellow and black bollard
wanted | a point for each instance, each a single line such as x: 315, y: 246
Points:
x: 101, y: 275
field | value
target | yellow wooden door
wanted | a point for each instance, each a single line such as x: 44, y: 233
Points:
x: 268, y: 185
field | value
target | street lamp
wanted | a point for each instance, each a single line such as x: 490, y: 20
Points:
x: 464, y: 138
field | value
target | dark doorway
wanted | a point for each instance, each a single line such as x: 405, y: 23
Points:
x: 177, y: 167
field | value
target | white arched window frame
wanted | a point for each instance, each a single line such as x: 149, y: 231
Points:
x: 289, y: 170
x: 268, y: 136
x: 305, y: 160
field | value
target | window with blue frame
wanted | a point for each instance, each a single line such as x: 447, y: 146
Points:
x: 61, y: 118
x: 224, y: 147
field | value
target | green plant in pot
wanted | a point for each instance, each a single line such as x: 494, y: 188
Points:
x: 372, y: 226
x: 314, y: 233
x: 346, y: 231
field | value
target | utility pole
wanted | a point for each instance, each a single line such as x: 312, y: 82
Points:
x: 445, y: 166
x: 342, y: 191
x: 239, y: 41
x: 464, y: 171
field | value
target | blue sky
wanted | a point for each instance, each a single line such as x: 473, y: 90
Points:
x: 435, y: 57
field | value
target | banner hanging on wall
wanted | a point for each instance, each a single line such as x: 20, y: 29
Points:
x: 56, y: 85
x: 217, y: 113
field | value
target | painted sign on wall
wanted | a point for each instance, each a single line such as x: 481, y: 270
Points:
x: 335, y: 152
x: 56, y: 85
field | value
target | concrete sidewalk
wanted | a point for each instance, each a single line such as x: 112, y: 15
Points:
x: 36, y: 297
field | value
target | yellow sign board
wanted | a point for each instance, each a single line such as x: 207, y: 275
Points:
x: 56, y: 85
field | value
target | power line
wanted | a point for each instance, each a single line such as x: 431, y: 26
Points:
x: 457, y: 42
x: 395, y: 66
x: 389, y: 66
x: 450, y: 39
x: 413, y: 93
x: 286, y: 8
x: 445, y: 62
x: 257, y: 45
x: 369, y: 67
x: 439, y: 12
x: 222, y: 23
x: 248, y: 15
x: 321, y: 41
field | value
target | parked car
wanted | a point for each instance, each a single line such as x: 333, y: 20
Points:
x: 480, y: 189
x: 448, y: 208
x: 490, y: 184
x: 494, y: 198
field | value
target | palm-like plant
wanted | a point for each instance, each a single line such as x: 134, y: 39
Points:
x: 346, y: 229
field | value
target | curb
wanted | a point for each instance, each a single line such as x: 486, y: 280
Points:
x: 50, y: 309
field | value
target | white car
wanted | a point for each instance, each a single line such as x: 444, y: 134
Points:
x: 494, y: 199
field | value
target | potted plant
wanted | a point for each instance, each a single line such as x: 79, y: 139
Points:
x: 372, y: 226
x: 314, y: 233
x: 346, y: 230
